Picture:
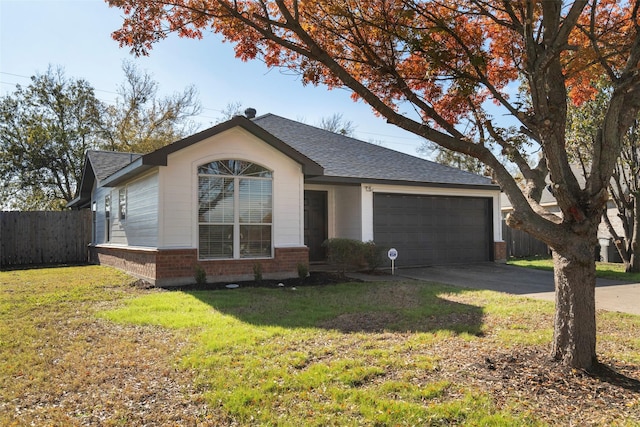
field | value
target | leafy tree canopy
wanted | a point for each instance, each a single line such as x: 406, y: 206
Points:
x: 45, y: 130
x: 47, y: 127
x: 141, y: 121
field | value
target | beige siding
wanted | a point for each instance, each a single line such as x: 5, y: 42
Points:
x: 178, y: 200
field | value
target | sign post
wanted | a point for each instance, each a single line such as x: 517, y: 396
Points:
x: 392, y: 254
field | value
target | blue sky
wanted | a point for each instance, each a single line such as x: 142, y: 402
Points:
x: 76, y: 34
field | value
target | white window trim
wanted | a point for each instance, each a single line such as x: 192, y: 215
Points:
x: 236, y: 212
x: 122, y: 216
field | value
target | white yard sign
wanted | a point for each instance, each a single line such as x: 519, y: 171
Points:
x: 392, y: 254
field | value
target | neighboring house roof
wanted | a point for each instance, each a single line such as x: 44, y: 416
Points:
x: 325, y: 157
x: 546, y: 199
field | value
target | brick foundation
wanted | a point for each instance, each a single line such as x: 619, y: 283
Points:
x: 500, y: 251
x: 172, y: 267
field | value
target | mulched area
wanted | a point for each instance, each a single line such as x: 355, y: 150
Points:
x: 554, y: 393
x: 315, y: 278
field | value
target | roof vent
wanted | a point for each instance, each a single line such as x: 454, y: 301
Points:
x: 250, y: 113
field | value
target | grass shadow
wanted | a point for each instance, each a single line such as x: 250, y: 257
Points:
x: 350, y: 307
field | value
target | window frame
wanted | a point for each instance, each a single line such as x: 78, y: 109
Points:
x: 107, y: 218
x: 122, y: 204
x: 236, y: 176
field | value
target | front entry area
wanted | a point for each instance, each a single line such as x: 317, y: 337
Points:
x: 315, y: 224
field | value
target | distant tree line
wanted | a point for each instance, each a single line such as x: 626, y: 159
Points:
x: 47, y: 126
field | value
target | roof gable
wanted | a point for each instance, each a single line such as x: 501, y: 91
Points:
x: 98, y: 166
x: 159, y: 157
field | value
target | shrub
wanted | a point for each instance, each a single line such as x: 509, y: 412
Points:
x: 344, y: 253
x: 257, y: 272
x: 303, y: 271
x: 373, y: 255
x: 200, y: 275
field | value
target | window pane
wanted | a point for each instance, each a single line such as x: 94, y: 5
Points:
x: 216, y: 241
x: 107, y: 206
x: 255, y: 201
x: 215, y: 196
x: 234, y: 168
x: 251, y: 169
x: 220, y: 190
x: 255, y: 241
x: 122, y: 200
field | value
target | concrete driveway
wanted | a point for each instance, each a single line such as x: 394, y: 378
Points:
x: 611, y: 295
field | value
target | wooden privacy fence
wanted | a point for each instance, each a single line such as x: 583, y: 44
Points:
x: 41, y: 238
x: 521, y: 244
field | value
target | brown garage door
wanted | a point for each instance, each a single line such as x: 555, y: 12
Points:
x: 433, y: 230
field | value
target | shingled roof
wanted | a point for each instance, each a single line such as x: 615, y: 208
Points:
x: 105, y: 163
x: 348, y: 159
x: 98, y: 166
x: 326, y: 157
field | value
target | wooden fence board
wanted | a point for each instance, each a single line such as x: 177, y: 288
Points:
x: 44, y: 237
x: 521, y: 244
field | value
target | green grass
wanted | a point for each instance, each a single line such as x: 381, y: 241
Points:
x: 605, y: 270
x: 285, y: 354
x: 348, y: 354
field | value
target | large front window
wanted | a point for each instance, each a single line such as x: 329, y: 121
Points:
x: 234, y: 210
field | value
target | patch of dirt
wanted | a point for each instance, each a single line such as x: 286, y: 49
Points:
x: 361, y: 322
x: 543, y: 387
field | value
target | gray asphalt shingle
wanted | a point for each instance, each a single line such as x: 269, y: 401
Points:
x: 344, y: 157
x: 105, y: 163
x: 341, y: 157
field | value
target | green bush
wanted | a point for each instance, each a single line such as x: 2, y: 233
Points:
x: 257, y: 272
x: 303, y: 271
x: 345, y: 253
x: 200, y: 275
x: 373, y: 255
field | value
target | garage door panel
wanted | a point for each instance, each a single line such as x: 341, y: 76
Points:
x: 430, y: 230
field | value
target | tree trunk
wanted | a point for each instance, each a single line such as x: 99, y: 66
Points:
x: 574, y: 337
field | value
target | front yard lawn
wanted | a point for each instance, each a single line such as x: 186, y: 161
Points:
x: 86, y: 346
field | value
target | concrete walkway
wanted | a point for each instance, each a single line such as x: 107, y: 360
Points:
x: 611, y: 295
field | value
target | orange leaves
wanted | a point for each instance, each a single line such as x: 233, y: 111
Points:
x: 599, y: 45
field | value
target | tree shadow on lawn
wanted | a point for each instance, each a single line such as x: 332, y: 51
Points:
x: 608, y: 374
x: 369, y: 307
